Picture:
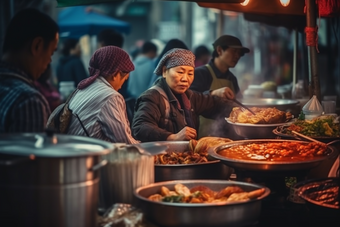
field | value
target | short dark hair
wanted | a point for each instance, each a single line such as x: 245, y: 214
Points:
x: 110, y: 37
x: 68, y: 44
x: 201, y: 51
x: 26, y: 25
x: 215, y: 54
x: 148, y: 47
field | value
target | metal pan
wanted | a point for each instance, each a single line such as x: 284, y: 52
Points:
x: 281, y: 104
x: 281, y: 131
x: 257, y: 165
x: 210, y: 170
x: 200, y: 214
x: 317, y: 192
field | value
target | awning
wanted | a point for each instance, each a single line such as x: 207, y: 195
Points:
x: 77, y: 21
x: 64, y: 3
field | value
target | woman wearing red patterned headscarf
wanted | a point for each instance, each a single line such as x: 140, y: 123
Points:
x: 97, y: 103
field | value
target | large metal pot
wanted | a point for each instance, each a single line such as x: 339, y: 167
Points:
x: 50, y: 180
x: 200, y: 214
x: 213, y: 169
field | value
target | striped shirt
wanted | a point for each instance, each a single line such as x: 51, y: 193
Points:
x: 102, y: 111
x: 22, y: 107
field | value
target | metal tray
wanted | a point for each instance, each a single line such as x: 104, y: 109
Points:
x: 268, y: 165
x: 200, y: 214
x: 279, y: 131
x: 281, y: 104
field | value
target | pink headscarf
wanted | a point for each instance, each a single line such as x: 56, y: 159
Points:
x: 105, y: 61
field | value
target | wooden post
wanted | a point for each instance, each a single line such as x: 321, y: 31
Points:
x: 295, y: 58
x: 314, y: 82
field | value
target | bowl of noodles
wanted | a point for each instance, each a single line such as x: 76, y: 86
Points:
x: 259, y: 125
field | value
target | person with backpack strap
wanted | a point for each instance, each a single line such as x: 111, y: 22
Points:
x: 169, y: 110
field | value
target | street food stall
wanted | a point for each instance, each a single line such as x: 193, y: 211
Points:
x: 264, y: 179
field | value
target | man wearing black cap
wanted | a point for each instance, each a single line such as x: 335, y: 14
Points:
x: 216, y: 74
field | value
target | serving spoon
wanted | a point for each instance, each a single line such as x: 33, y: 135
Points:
x: 314, y: 140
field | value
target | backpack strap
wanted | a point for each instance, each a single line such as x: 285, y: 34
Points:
x: 165, y: 98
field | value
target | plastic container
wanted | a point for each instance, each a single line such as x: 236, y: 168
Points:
x: 253, y: 91
x: 312, y: 108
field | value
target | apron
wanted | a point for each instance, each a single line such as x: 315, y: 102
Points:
x: 206, y: 125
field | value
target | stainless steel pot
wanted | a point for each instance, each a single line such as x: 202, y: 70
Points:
x: 50, y: 180
x: 257, y: 165
x: 200, y: 214
x: 210, y: 170
x: 254, y: 131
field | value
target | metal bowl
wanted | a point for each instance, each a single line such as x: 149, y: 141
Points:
x: 257, y: 165
x: 213, y: 169
x: 281, y: 104
x: 254, y: 131
x: 200, y: 214
x: 281, y: 132
x: 315, y: 192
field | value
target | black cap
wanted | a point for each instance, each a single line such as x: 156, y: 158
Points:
x: 229, y: 41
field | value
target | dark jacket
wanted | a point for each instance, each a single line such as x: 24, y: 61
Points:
x: 71, y: 68
x: 149, y: 123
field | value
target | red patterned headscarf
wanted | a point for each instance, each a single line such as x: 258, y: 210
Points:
x: 175, y: 57
x: 106, y: 61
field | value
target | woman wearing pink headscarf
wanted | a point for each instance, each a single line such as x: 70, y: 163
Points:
x: 99, y: 106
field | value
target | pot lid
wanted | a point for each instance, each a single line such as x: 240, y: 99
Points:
x: 52, y: 145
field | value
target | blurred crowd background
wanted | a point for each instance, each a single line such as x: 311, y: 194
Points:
x: 271, y: 47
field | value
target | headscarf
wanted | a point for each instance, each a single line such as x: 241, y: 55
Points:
x: 175, y: 57
x: 106, y: 61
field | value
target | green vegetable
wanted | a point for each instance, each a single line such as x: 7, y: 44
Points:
x: 318, y: 127
x: 173, y: 199
x: 290, y: 181
x: 196, y: 194
x: 301, y: 116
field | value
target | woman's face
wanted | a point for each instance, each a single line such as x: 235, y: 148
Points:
x: 179, y: 78
x: 119, y: 79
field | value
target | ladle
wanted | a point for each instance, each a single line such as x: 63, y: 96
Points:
x: 314, y: 140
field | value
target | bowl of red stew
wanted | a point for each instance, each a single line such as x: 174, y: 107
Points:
x: 272, y: 154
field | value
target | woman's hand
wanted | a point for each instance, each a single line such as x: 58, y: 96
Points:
x: 224, y: 92
x: 186, y: 133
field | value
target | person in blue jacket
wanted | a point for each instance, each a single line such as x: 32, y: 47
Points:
x: 70, y: 66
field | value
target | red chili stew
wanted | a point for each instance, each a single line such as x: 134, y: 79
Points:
x: 275, y: 151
